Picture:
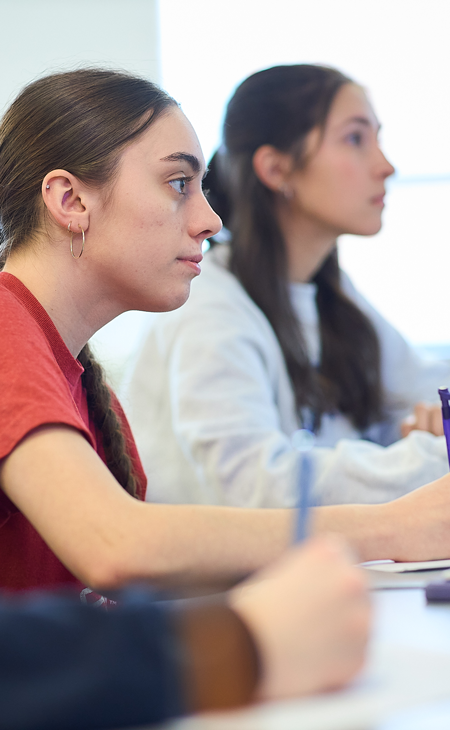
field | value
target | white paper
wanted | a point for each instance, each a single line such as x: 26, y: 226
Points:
x: 392, y: 567
x: 395, y: 678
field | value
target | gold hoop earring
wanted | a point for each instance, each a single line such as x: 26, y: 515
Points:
x: 71, y: 242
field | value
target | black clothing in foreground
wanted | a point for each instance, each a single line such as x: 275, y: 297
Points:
x: 68, y: 666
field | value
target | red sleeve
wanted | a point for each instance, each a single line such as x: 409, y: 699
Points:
x: 34, y: 391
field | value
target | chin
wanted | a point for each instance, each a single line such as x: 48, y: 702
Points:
x: 367, y: 229
x: 169, y: 303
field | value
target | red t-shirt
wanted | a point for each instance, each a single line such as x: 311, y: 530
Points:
x: 40, y: 383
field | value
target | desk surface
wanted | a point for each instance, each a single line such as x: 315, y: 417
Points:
x: 406, y: 681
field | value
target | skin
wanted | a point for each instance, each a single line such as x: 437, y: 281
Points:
x: 308, y: 640
x: 57, y: 480
x: 426, y: 417
x: 310, y: 645
x: 338, y: 189
x: 165, y: 225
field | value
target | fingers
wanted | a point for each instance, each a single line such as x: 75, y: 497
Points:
x: 420, y: 522
x: 407, y: 425
x: 425, y: 418
x: 437, y: 427
x: 310, y: 616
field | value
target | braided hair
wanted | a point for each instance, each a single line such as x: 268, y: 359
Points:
x: 79, y: 121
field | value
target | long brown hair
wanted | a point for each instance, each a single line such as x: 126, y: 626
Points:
x: 280, y: 106
x: 79, y: 121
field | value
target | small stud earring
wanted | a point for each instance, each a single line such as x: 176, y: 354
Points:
x: 47, y: 187
x: 286, y: 192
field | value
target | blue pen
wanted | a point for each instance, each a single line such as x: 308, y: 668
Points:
x: 303, y: 441
x: 445, y: 398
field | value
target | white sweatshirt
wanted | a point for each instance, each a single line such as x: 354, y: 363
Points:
x: 212, y: 409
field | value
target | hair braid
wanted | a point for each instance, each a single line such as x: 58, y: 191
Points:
x: 80, y: 121
x: 106, y: 420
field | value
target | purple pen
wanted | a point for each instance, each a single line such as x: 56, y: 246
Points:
x: 445, y: 398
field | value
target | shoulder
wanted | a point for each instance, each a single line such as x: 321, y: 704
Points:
x: 19, y: 330
x: 11, y: 305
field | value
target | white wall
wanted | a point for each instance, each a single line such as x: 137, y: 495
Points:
x: 400, y: 51
x: 42, y: 36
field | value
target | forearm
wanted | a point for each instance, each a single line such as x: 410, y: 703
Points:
x: 107, y: 538
x: 195, y: 545
x: 220, y: 666
x: 369, y: 529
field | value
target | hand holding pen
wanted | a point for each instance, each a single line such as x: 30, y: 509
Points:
x: 426, y: 417
x: 440, y: 591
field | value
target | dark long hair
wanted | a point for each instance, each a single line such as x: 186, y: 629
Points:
x: 79, y: 121
x: 280, y: 106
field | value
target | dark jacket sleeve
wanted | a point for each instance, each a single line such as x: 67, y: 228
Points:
x: 65, y: 665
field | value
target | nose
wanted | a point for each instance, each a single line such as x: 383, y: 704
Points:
x: 206, y: 223
x: 385, y: 169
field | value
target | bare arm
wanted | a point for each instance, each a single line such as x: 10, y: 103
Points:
x: 107, y: 538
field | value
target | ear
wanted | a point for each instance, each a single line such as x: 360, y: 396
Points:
x: 272, y: 166
x: 67, y: 199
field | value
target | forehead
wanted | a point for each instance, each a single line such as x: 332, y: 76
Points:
x: 350, y: 103
x: 170, y: 134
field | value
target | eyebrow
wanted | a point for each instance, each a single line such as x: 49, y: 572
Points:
x: 192, y: 160
x: 362, y: 120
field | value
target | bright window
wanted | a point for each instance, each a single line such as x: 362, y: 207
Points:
x: 400, y: 51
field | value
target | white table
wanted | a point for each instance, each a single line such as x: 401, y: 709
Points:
x: 408, y: 671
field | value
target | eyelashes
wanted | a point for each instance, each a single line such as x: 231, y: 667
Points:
x: 355, y: 138
x: 179, y: 185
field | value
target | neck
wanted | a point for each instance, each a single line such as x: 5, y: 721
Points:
x: 308, y: 244
x: 64, y: 289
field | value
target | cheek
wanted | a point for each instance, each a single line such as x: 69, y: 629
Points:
x: 160, y: 241
x: 343, y: 176
x: 149, y: 226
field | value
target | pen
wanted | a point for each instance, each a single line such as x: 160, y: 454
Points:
x: 303, y: 441
x: 445, y: 398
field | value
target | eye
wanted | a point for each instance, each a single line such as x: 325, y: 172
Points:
x: 355, y: 138
x: 179, y: 185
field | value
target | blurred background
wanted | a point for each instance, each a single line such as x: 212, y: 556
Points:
x: 200, y: 50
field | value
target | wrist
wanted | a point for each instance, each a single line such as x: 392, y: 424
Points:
x: 369, y: 528
x: 220, y: 664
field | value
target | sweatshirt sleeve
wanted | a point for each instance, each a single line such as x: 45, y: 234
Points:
x: 366, y: 473
x: 67, y: 665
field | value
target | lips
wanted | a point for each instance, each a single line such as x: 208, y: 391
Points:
x: 195, y: 259
x: 378, y: 199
